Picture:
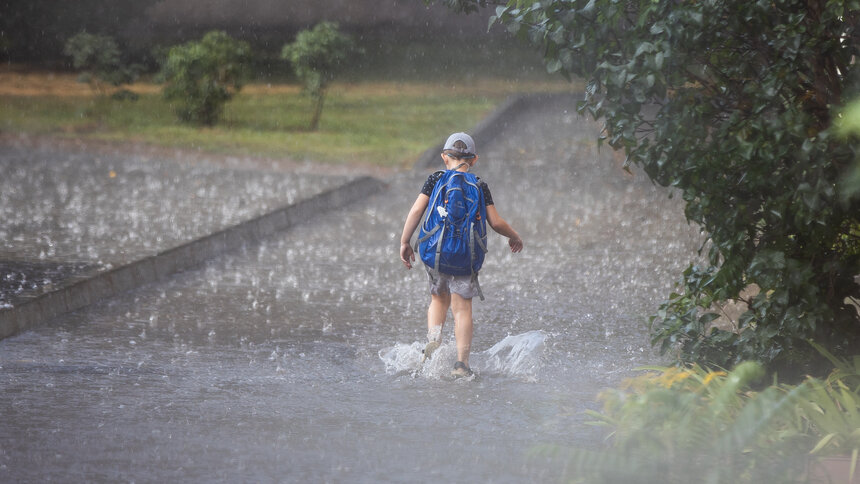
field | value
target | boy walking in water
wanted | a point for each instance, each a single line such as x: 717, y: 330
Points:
x: 449, y: 291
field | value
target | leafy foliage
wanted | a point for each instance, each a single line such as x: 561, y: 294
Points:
x: 100, y: 60
x: 694, y: 425
x: 832, y: 410
x: 317, y: 55
x: 203, y: 75
x: 731, y: 103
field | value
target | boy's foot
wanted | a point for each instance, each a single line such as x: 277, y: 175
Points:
x: 429, y: 349
x: 461, y: 370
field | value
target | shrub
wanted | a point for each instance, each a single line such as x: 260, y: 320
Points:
x: 203, y: 75
x: 99, y: 59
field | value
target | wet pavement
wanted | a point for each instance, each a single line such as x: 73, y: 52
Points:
x: 71, y: 216
x: 296, y: 359
x: 109, y: 210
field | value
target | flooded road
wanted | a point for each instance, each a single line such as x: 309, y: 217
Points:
x: 297, y: 359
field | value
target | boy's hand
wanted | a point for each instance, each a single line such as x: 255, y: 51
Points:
x: 516, y: 244
x: 407, y: 255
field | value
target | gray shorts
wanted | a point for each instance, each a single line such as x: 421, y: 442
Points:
x: 465, y: 286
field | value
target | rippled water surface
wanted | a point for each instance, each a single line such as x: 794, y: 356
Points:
x: 298, y: 359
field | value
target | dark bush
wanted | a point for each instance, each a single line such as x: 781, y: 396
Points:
x: 201, y: 76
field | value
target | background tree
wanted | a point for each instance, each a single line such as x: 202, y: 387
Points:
x: 99, y: 59
x: 203, y: 75
x: 732, y: 103
x: 317, y: 56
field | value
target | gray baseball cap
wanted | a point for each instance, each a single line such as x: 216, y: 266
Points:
x: 466, y: 139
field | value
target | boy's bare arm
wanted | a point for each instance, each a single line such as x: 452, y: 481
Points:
x: 407, y: 255
x: 502, y: 227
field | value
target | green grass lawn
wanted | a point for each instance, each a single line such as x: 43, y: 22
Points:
x: 383, y: 124
x: 384, y: 113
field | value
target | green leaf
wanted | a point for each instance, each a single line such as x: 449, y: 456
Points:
x: 824, y: 442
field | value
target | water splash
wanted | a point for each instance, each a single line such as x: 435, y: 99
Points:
x: 401, y: 358
x: 516, y: 356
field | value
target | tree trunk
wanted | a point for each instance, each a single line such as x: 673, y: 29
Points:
x: 315, y: 122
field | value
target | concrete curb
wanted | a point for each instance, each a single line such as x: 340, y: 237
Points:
x: 82, y: 292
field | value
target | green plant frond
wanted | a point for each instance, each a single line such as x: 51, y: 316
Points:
x: 842, y: 365
x: 824, y: 412
x: 741, y: 376
x: 600, y: 420
x: 696, y: 425
x: 853, y: 471
x: 824, y: 442
x: 773, y: 408
x: 609, y: 467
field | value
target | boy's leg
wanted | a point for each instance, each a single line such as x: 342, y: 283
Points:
x: 436, y: 314
x: 462, y: 309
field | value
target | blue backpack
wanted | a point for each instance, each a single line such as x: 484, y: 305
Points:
x: 453, y: 234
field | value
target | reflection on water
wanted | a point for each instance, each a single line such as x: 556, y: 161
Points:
x: 298, y: 359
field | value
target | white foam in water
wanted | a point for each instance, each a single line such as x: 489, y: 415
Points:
x: 401, y: 357
x: 406, y: 358
x: 515, y: 356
